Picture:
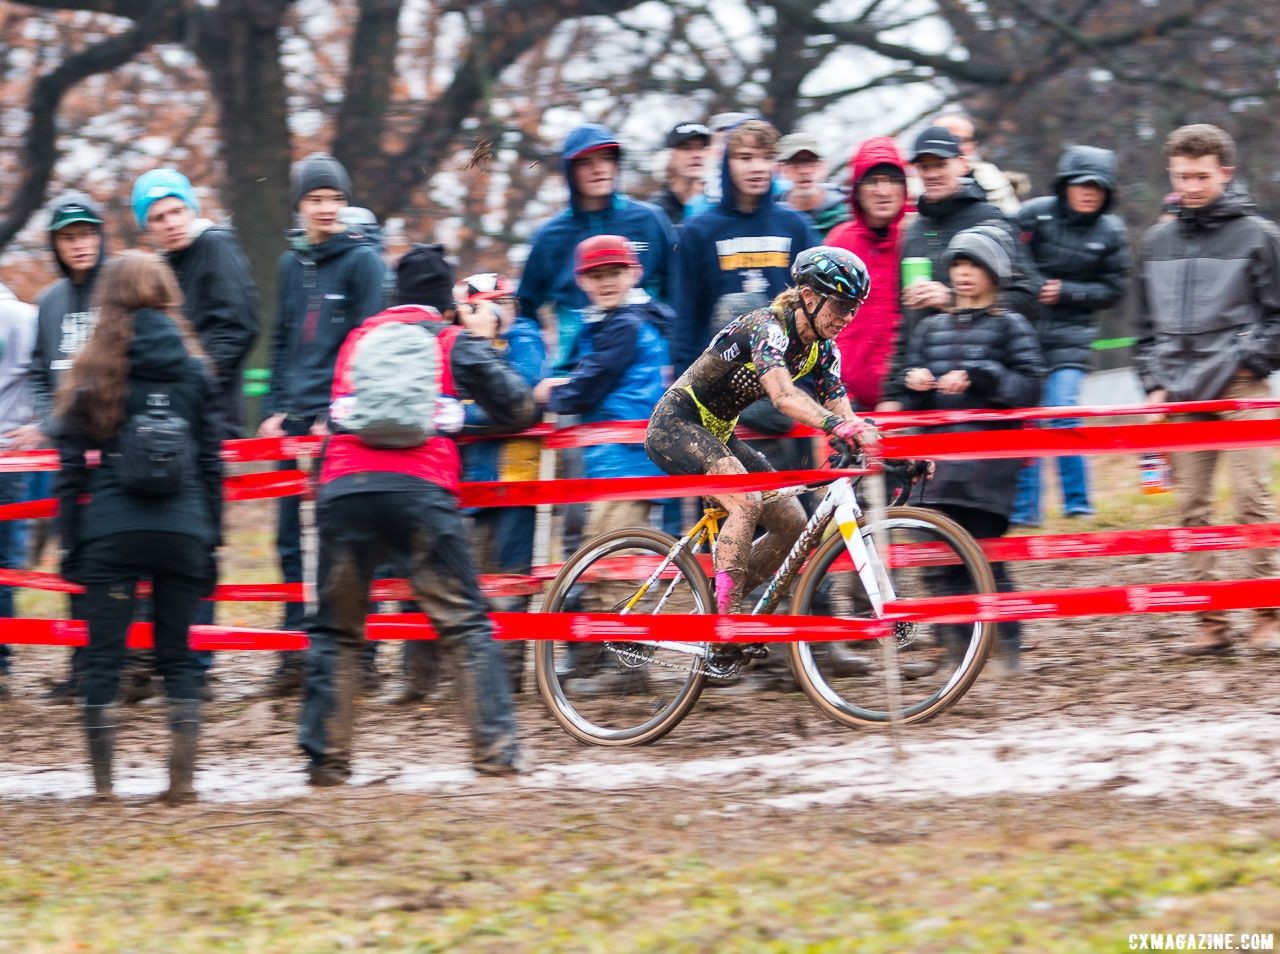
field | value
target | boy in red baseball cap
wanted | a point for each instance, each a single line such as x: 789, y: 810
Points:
x: 621, y: 367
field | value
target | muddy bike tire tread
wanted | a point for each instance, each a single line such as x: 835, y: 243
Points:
x: 634, y: 538
x: 962, y: 542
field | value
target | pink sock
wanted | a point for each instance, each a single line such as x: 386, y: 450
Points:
x: 724, y: 590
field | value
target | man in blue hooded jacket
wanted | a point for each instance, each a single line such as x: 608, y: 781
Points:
x: 590, y: 158
x: 744, y: 244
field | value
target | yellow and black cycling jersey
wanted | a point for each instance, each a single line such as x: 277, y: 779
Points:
x: 725, y: 379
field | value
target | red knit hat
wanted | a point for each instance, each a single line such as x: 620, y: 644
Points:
x: 601, y: 250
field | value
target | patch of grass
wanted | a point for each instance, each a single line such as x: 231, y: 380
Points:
x: 426, y: 883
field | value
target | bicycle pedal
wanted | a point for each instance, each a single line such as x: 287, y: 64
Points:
x: 755, y: 651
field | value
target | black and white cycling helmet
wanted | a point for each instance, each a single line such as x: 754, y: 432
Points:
x: 832, y: 272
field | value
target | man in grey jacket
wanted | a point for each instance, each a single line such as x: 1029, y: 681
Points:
x: 64, y: 323
x: 1208, y: 328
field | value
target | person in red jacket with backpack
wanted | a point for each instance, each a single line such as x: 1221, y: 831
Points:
x: 878, y: 202
x: 399, y: 499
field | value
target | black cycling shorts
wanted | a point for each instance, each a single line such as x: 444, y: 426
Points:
x: 678, y: 444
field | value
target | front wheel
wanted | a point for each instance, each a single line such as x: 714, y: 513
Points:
x: 928, y: 555
x: 624, y: 693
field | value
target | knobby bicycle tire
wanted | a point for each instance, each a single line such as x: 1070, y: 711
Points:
x: 830, y: 702
x: 550, y: 684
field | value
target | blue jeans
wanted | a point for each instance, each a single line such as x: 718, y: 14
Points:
x: 1061, y: 389
x: 13, y: 489
x: 357, y: 533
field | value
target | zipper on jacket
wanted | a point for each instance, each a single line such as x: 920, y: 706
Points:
x: 1194, y: 249
x: 309, y: 284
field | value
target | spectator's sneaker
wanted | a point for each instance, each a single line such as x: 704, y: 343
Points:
x: 1264, y: 638
x: 1213, y: 639
x: 65, y: 692
x: 610, y: 681
x: 285, y: 683
x: 500, y: 768
x: 138, y: 687
x: 408, y: 696
x: 370, y: 680
x: 327, y: 775
x: 844, y: 663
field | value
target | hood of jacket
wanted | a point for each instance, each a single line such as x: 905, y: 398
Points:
x: 727, y: 205
x: 74, y: 197
x: 157, y: 351
x: 1234, y: 203
x: 335, y: 247
x: 969, y: 193
x: 584, y: 139
x: 876, y: 151
x: 1086, y: 160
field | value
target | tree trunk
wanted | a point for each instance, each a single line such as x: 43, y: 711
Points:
x: 240, y: 49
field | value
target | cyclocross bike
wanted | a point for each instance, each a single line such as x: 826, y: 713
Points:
x: 635, y: 692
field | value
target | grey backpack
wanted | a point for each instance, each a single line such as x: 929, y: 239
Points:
x: 394, y: 375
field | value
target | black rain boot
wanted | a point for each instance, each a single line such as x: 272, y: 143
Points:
x: 100, y: 731
x: 184, y: 727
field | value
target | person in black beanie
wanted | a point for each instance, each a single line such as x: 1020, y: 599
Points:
x: 329, y: 282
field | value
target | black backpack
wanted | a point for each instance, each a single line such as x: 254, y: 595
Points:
x: 156, y: 450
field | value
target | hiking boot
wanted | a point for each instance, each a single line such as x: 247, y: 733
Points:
x: 1212, y: 639
x: 100, y: 733
x: 184, y: 728
x: 1264, y: 638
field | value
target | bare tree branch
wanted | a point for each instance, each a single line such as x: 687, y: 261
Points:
x: 40, y: 147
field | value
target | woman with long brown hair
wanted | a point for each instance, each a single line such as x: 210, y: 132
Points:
x: 138, y: 395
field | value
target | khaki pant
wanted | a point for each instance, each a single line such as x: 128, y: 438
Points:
x: 1249, y: 472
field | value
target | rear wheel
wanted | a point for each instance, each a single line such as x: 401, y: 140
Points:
x: 623, y: 693
x: 928, y: 555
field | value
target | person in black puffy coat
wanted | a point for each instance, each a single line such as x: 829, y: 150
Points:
x: 143, y: 355
x: 974, y: 355
x: 1081, y: 250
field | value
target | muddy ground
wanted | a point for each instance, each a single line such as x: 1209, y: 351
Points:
x: 1107, y: 745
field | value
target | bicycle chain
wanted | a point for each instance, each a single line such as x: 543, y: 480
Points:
x: 712, y: 672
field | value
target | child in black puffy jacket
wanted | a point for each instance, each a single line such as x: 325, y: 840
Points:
x: 975, y: 355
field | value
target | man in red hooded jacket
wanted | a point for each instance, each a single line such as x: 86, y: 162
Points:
x: 878, y: 203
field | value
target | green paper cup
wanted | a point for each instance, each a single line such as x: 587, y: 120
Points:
x: 916, y: 270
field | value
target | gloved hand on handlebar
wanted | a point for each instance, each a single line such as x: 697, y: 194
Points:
x: 861, y: 434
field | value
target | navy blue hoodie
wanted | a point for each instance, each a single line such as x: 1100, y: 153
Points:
x: 548, y: 272
x: 725, y: 251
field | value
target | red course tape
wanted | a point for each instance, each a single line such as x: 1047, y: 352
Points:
x: 604, y: 627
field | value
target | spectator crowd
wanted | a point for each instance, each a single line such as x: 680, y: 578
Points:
x: 977, y: 300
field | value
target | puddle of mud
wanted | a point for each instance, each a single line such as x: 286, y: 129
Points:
x: 1233, y: 762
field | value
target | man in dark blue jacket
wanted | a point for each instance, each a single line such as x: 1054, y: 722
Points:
x: 1081, y: 250
x: 746, y: 243
x: 330, y: 281
x: 590, y: 158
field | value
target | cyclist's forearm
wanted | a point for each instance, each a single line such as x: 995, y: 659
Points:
x: 800, y: 407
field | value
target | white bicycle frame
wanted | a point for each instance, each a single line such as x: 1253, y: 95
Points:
x: 841, y: 503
